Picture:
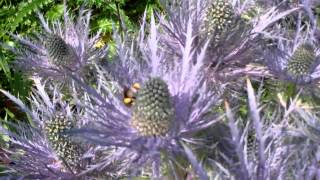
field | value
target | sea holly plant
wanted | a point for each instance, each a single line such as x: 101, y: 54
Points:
x: 294, y: 54
x: 172, y: 104
x: 153, y: 112
x: 60, y: 47
x: 298, y: 139
x: 295, y: 61
x: 296, y: 65
x: 233, y: 41
x: 43, y: 150
x: 291, y: 54
x: 142, y: 114
x: 231, y: 38
x: 279, y: 147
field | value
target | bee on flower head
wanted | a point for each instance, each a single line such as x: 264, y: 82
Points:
x: 129, y: 94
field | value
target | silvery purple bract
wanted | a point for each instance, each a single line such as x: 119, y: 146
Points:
x: 61, y: 47
x: 43, y: 150
x: 160, y: 105
x: 189, y: 94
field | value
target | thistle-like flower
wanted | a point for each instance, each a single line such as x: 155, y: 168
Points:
x: 219, y: 16
x: 153, y: 112
x: 59, y: 52
x: 173, y: 102
x: 299, y: 66
x: 64, y: 46
x: 294, y: 55
x: 143, y: 113
x: 232, y: 40
x: 30, y: 156
x: 44, y: 150
x: 69, y: 151
x: 302, y: 61
x: 279, y: 148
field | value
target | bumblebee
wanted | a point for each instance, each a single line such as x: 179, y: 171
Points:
x: 129, y: 94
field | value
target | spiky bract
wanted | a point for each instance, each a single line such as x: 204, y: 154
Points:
x: 63, y: 146
x: 166, y: 110
x: 302, y: 60
x: 153, y: 131
x: 153, y: 112
x: 60, y: 48
x: 46, y: 150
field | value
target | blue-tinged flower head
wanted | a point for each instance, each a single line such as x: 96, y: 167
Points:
x: 59, y: 52
x: 294, y: 53
x: 297, y: 63
x: 173, y: 99
x: 44, y: 150
x: 153, y: 112
x: 302, y: 61
x: 219, y: 16
x: 30, y: 156
x: 62, y: 46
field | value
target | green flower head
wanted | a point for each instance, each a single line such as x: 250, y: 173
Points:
x: 63, y: 146
x: 153, y: 112
x: 302, y: 60
x: 219, y: 15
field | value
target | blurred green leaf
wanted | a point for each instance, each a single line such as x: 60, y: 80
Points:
x: 9, y: 113
x: 5, y: 67
x: 24, y: 9
x: 105, y: 25
x: 55, y: 12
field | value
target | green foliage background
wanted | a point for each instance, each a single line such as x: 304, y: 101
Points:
x: 20, y: 17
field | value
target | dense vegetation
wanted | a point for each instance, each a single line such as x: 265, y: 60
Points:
x: 95, y: 89
x: 20, y: 17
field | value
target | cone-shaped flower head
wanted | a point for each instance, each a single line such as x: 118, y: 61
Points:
x: 252, y: 149
x: 302, y: 60
x: 152, y: 111
x: 61, y: 47
x: 220, y: 25
x: 299, y: 66
x: 294, y: 55
x: 64, y: 147
x: 219, y: 15
x: 59, y: 52
x: 46, y: 150
x: 173, y: 102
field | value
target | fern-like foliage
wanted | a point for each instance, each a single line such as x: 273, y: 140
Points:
x: 25, y: 9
